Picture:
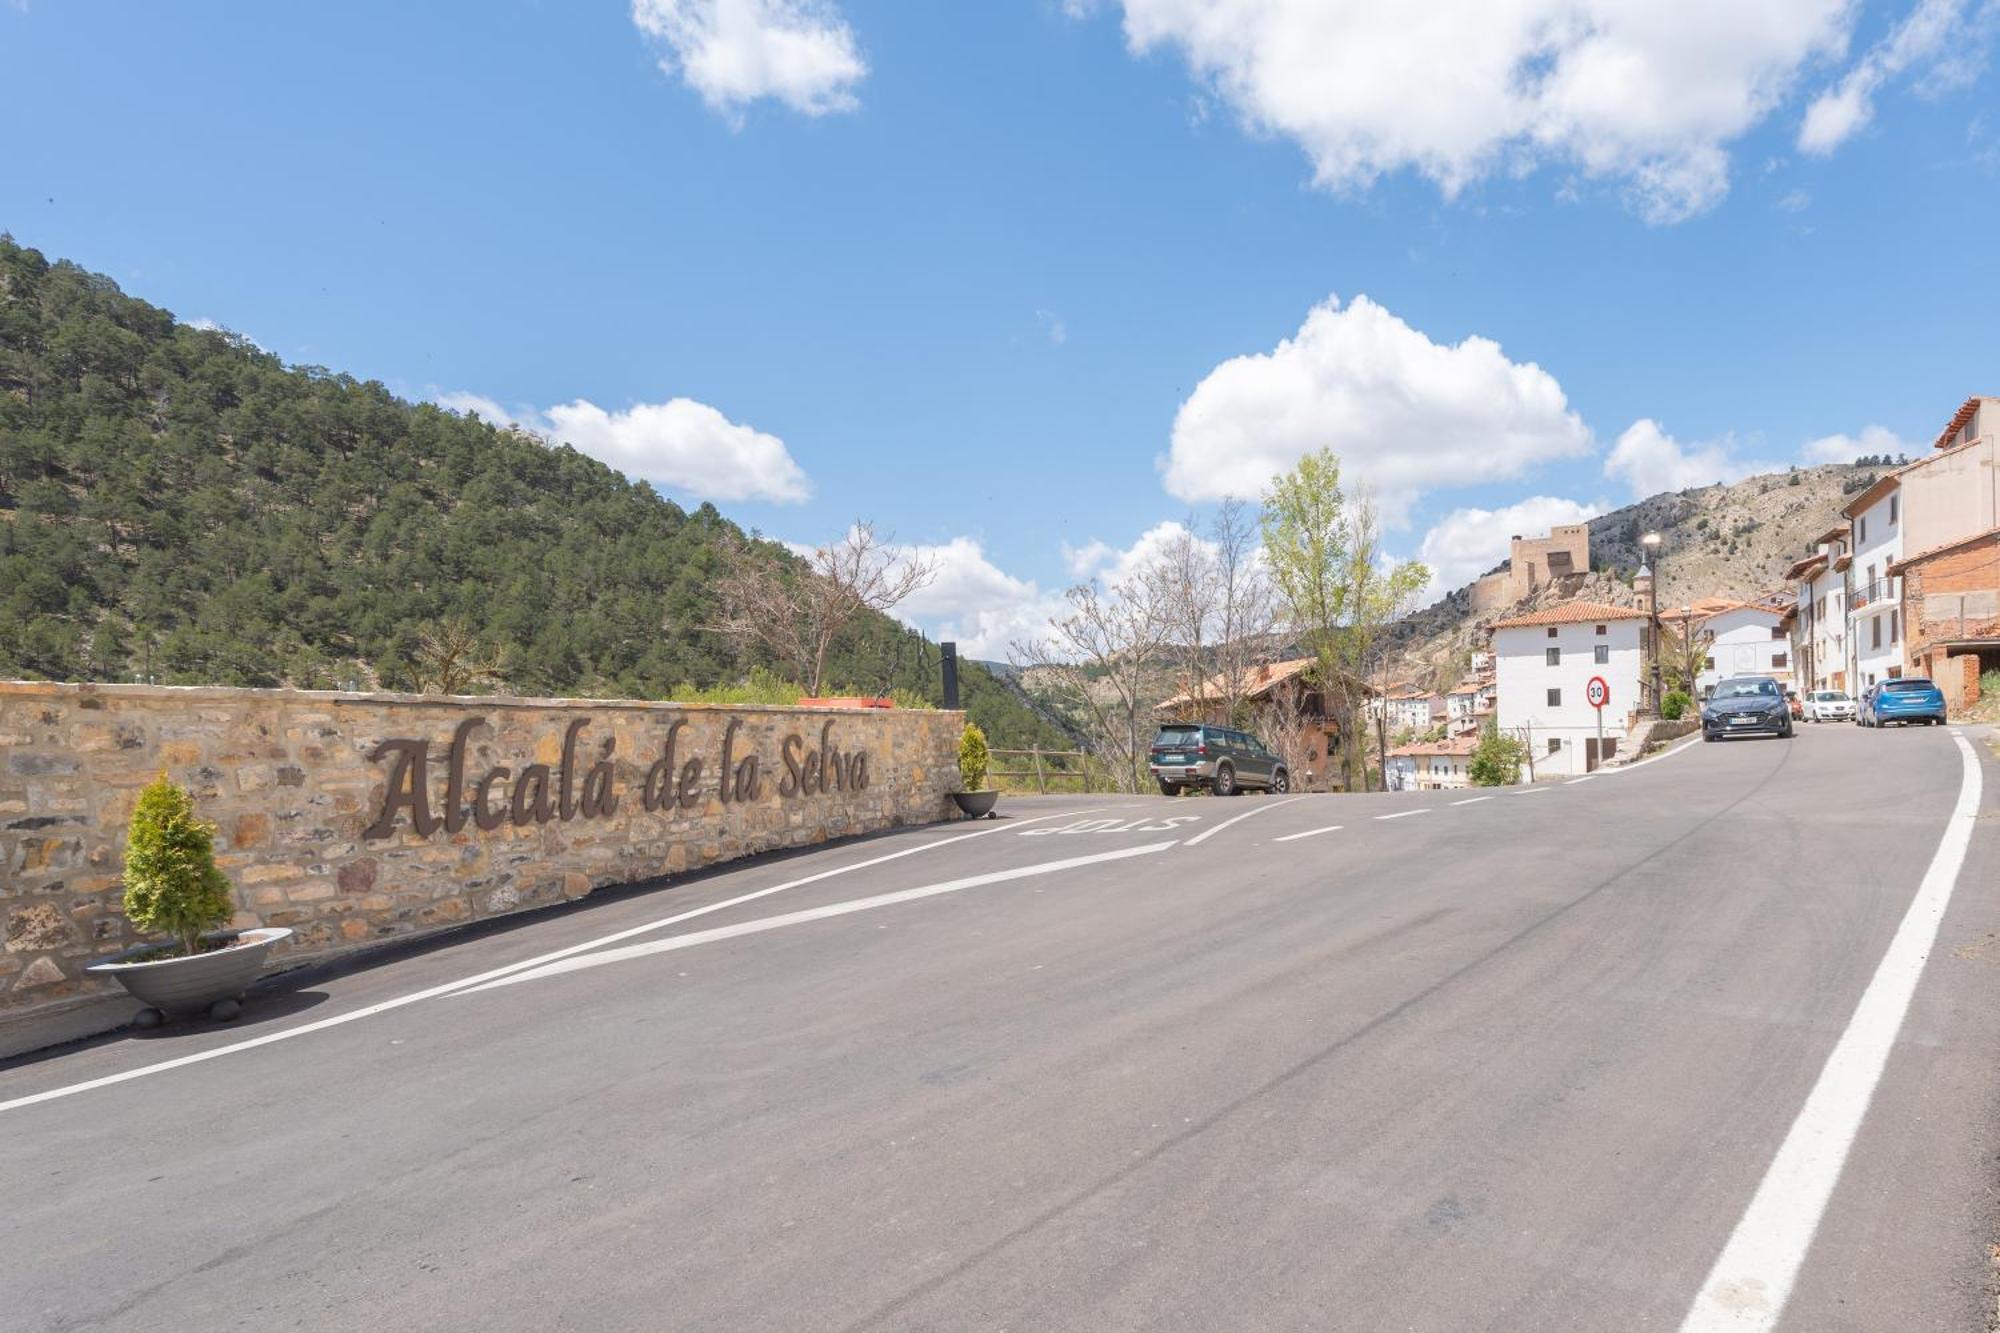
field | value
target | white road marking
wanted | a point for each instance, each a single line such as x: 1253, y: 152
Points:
x: 1528, y: 791
x: 1668, y: 753
x: 1405, y: 814
x: 369, y: 1011
x: 811, y: 914
x: 1208, y: 833
x: 1585, y: 778
x: 1472, y: 800
x: 1753, y: 1276
x: 1309, y: 833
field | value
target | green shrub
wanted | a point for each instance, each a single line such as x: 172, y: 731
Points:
x: 1497, y: 759
x: 762, y: 688
x: 1675, y: 705
x: 972, y: 758
x: 172, y: 884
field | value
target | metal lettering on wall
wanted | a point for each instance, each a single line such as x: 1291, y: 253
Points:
x: 585, y: 784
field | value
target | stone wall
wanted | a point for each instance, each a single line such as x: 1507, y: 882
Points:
x: 354, y: 818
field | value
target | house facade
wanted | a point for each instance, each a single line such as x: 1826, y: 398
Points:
x: 1819, y: 635
x: 1432, y: 765
x: 1742, y: 639
x: 1874, y: 599
x: 1544, y: 662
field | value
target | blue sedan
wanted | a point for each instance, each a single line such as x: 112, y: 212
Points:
x: 1906, y: 700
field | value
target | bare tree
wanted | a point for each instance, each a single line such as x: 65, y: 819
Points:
x: 796, y: 614
x: 1287, y: 728
x: 1219, y: 608
x: 1101, y: 658
x: 452, y: 659
x: 1184, y: 584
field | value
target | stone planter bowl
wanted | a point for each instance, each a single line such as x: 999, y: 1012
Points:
x: 199, y: 982
x: 977, y: 804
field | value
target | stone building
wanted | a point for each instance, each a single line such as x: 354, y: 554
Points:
x: 1534, y: 563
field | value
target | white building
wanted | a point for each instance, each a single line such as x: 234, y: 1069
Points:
x: 1736, y: 639
x: 1415, y: 710
x: 1821, y: 580
x: 1432, y: 765
x: 1874, y: 600
x: 1544, y: 662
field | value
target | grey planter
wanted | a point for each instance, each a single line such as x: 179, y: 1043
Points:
x: 977, y: 804
x: 205, y: 982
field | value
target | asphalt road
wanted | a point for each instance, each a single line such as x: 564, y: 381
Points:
x: 1516, y: 1062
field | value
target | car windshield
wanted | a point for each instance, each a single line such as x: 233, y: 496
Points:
x: 1830, y: 696
x: 1745, y: 689
x: 1907, y: 686
x: 1178, y: 736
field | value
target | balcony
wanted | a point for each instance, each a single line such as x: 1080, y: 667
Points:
x: 1881, y: 590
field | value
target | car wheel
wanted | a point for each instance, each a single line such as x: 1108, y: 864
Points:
x: 1709, y: 736
x: 1281, y: 782
x: 1225, y: 781
x: 1786, y: 734
x: 1170, y: 789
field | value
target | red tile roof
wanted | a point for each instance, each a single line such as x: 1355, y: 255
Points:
x: 1570, y: 613
x: 1959, y: 418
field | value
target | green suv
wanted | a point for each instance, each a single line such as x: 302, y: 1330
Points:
x: 1190, y: 754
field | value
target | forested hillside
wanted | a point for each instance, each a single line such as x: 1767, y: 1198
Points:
x: 177, y: 503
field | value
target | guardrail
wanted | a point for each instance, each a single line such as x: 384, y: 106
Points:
x: 1054, y: 767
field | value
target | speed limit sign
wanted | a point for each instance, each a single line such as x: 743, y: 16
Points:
x: 1598, y: 693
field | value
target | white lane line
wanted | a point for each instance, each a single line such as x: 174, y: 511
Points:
x: 1585, y: 778
x: 1405, y: 814
x: 810, y: 914
x: 1528, y: 791
x: 1668, y: 753
x: 369, y: 1011
x: 1472, y: 800
x: 1206, y: 834
x: 1309, y: 833
x: 1753, y: 1276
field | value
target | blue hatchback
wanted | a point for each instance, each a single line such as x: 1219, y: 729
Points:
x: 1906, y: 700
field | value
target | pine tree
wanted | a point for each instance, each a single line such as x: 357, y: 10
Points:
x: 172, y: 884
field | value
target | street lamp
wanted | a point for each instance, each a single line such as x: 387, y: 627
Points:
x: 1651, y: 541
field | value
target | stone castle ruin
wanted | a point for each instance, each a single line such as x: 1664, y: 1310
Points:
x: 1534, y: 563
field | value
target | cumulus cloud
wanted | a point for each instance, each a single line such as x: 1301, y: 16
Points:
x: 1116, y: 567
x: 734, y: 52
x: 1649, y: 461
x: 975, y: 603
x: 679, y: 445
x: 1467, y: 542
x: 1405, y: 414
x: 1846, y: 448
x: 1944, y: 32
x: 1647, y: 94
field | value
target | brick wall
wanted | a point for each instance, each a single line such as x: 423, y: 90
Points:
x: 1950, y: 598
x: 551, y: 799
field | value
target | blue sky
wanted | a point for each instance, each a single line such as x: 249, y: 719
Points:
x: 1023, y: 280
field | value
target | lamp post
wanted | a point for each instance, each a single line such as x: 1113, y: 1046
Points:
x: 1651, y: 541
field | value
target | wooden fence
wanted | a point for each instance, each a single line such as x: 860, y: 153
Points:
x: 1053, y: 768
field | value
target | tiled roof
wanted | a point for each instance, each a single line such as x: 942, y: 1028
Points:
x: 1807, y: 567
x: 1570, y: 613
x: 1457, y: 745
x: 1256, y: 681
x: 1958, y: 420
x: 1898, y: 566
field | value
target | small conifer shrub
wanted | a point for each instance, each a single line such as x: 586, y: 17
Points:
x: 172, y: 884
x: 973, y: 757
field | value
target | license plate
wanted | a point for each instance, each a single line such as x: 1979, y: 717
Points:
x: 1741, y: 721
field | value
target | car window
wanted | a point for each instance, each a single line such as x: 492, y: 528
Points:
x: 1909, y: 686
x: 1745, y: 689
x: 1178, y: 736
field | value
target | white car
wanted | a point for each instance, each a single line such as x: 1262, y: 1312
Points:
x: 1829, y: 706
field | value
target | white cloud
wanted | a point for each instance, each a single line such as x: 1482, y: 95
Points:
x: 1467, y: 542
x: 976, y: 603
x: 1649, y: 94
x: 1940, y: 29
x: 1847, y: 448
x: 678, y: 445
x: 1053, y: 326
x: 733, y: 52
x: 1405, y: 414
x: 1650, y: 461
x: 1114, y: 567
x: 1795, y: 201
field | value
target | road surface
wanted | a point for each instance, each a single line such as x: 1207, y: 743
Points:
x: 1442, y: 1061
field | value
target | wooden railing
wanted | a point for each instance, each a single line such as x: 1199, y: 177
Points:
x: 1048, y: 768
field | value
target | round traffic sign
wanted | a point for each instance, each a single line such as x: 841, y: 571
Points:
x: 1597, y: 692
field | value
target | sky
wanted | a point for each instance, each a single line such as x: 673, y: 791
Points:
x: 1026, y: 283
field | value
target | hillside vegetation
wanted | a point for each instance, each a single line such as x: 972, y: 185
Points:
x: 177, y: 503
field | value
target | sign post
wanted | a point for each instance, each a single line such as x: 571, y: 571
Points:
x: 1598, y: 693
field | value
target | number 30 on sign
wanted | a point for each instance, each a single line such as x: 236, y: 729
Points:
x: 1598, y: 693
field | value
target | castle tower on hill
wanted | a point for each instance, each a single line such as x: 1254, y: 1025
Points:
x: 1533, y: 563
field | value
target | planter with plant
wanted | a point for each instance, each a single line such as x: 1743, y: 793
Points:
x: 173, y: 887
x: 975, y: 798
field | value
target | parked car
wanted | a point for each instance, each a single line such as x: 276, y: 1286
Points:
x: 1829, y: 706
x: 1744, y: 706
x: 1905, y: 700
x: 1796, y: 704
x: 1190, y: 754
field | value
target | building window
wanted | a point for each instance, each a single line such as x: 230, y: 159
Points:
x: 1708, y: 663
x: 1875, y: 631
x: 1777, y: 631
x: 1781, y: 661
x: 1860, y: 531
x: 1600, y: 629
x: 1602, y: 654
x: 1554, y: 656
x: 1555, y: 743
x: 1892, y: 507
x: 1552, y: 631
x: 1895, y: 627
x: 1555, y: 698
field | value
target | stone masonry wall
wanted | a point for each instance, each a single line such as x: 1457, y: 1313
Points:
x: 318, y: 818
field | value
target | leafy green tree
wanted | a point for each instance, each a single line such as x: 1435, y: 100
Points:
x: 172, y: 884
x: 1497, y: 759
x: 1675, y: 705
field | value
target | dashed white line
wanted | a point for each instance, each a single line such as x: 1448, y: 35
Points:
x: 1472, y: 800
x: 1752, y: 1278
x: 810, y: 914
x: 1585, y: 778
x: 1206, y: 834
x: 1310, y: 833
x: 1405, y: 814
x: 1528, y: 791
x: 369, y: 1011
